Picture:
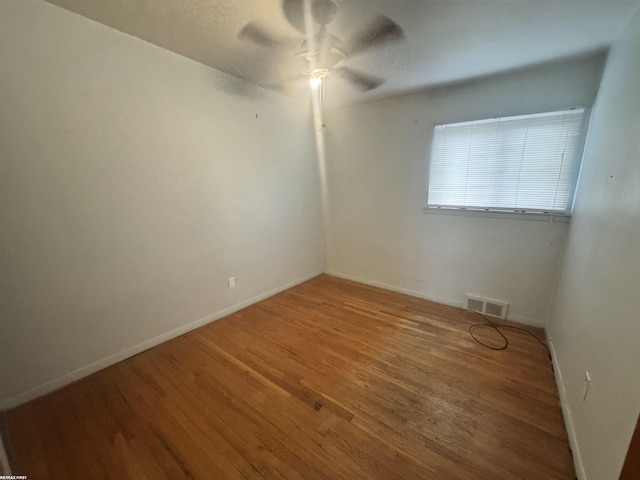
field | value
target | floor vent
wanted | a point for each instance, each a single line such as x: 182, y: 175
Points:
x: 486, y: 306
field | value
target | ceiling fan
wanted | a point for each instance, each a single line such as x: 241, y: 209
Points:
x: 324, y: 54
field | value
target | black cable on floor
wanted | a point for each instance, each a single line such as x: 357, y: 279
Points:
x: 497, y: 328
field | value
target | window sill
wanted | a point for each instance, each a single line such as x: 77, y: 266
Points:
x: 535, y: 217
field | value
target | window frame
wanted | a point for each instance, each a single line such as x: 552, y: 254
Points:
x: 529, y: 214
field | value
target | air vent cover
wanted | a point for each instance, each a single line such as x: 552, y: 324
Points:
x: 486, y: 306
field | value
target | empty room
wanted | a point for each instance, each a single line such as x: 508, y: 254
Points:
x: 319, y: 239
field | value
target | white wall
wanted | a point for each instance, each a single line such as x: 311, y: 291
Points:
x: 378, y: 232
x: 595, y: 326
x: 4, y: 460
x: 134, y: 182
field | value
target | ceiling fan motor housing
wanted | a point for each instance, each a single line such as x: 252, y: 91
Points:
x: 326, y: 52
x: 323, y: 11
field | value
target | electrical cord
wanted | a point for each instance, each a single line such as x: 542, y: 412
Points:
x: 490, y: 324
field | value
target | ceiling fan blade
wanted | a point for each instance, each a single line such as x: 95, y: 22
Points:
x: 256, y: 34
x: 294, y: 13
x: 361, y: 81
x: 381, y: 31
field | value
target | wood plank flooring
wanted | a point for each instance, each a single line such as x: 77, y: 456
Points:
x: 328, y: 380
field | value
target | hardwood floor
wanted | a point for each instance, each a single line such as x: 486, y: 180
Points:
x: 328, y: 380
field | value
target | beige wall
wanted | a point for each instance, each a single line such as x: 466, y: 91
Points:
x: 595, y: 326
x: 377, y: 176
x: 134, y: 182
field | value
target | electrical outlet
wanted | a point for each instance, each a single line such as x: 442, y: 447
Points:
x: 232, y: 282
x: 586, y: 385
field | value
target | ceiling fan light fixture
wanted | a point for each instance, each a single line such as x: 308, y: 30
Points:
x: 319, y: 72
x: 315, y: 82
x: 317, y: 76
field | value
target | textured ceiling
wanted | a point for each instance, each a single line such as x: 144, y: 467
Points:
x: 447, y: 40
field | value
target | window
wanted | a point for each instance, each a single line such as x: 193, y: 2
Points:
x: 524, y: 164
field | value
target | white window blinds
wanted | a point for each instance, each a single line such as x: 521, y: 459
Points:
x: 527, y: 163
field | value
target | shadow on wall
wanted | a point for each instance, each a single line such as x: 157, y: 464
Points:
x: 235, y: 87
x: 443, y: 89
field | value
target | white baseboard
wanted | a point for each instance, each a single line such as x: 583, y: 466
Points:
x: 445, y: 301
x: 5, y: 469
x: 532, y: 322
x: 42, y: 389
x: 394, y: 288
x: 566, y: 413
